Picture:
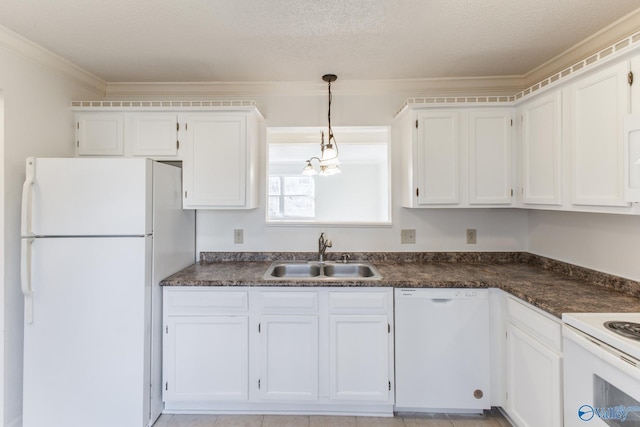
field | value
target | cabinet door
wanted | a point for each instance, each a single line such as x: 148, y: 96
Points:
x: 154, y: 134
x: 541, y: 151
x: 490, y: 157
x: 215, y: 167
x: 437, y: 157
x: 206, y: 358
x: 534, y: 388
x: 635, y: 88
x: 100, y: 134
x: 289, y: 357
x: 359, y: 357
x: 598, y: 104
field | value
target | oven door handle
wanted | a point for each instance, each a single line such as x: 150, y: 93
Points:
x: 616, y: 358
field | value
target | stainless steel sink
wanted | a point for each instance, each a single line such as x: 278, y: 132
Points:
x: 294, y: 270
x: 359, y: 270
x: 301, y: 270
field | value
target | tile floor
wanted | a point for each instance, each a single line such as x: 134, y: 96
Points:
x: 488, y: 419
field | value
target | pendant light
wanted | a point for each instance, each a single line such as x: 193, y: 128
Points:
x: 328, y: 160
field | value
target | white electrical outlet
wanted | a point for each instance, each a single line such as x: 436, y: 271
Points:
x: 408, y: 236
x: 471, y: 236
x: 238, y: 236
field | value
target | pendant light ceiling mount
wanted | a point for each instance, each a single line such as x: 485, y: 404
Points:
x: 329, y: 162
x: 329, y: 78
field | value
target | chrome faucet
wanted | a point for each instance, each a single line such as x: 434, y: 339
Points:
x: 322, y: 247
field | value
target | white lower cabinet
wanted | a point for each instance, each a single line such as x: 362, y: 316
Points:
x: 288, y: 357
x: 282, y: 350
x: 359, y: 357
x: 191, y: 343
x: 534, y: 367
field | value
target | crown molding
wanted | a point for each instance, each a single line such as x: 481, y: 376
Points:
x: 415, y: 87
x: 609, y: 35
x: 25, y: 48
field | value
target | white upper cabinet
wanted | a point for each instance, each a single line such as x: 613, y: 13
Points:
x: 220, y: 163
x: 490, y: 157
x: 437, y: 157
x: 456, y: 157
x: 100, y: 134
x: 542, y: 150
x: 152, y: 134
x: 594, y: 112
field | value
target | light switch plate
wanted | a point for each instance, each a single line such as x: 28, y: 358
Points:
x: 238, y: 235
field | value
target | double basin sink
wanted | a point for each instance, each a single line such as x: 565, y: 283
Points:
x: 301, y: 270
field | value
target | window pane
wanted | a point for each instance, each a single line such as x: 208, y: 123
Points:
x: 274, y: 185
x: 299, y: 206
x: 274, y: 207
x: 298, y: 185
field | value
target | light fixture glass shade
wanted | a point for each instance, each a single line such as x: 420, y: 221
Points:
x: 330, y: 170
x: 329, y: 156
x: 309, y: 169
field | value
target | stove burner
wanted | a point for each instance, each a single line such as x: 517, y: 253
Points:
x: 626, y: 329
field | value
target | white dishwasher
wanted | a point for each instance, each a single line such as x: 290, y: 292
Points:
x: 442, y: 350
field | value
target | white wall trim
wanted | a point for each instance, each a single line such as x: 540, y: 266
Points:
x: 416, y: 87
x: 25, y: 48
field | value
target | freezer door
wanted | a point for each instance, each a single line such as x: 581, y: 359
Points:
x: 87, y: 197
x: 86, y: 353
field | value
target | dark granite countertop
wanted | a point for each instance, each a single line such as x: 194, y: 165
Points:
x: 549, y: 285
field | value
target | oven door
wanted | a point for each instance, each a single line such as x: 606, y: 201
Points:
x: 601, y: 384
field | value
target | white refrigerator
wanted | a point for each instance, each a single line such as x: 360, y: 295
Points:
x: 98, y: 234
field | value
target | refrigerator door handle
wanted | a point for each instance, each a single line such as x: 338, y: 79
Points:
x: 25, y: 277
x: 27, y: 190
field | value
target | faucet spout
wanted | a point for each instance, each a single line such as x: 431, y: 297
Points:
x: 323, y: 244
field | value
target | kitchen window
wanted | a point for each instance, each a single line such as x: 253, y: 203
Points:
x: 291, y: 197
x: 360, y: 195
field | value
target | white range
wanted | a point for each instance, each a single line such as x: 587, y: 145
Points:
x: 601, y: 369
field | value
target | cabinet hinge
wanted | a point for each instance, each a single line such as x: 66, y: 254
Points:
x: 417, y: 192
x: 177, y: 145
x: 166, y: 329
x: 630, y: 78
x: 512, y: 192
x: 78, y: 144
x: 166, y: 386
x: 185, y: 194
x: 389, y: 385
x: 77, y: 125
x: 511, y: 122
x: 416, y: 124
x: 186, y: 126
x: 258, y: 384
x: 388, y: 328
x: 177, y: 126
x: 259, y: 328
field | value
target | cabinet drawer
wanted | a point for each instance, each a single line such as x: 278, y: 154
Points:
x: 359, y: 301
x: 542, y: 328
x: 204, y: 301
x: 300, y: 301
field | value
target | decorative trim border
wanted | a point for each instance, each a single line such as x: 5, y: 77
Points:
x: 609, y: 53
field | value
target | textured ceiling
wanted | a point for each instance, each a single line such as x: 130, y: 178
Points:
x: 299, y: 40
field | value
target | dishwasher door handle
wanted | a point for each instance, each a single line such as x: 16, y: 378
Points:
x: 441, y: 300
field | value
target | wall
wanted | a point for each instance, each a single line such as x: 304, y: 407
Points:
x: 37, y: 122
x: 436, y: 230
x: 607, y: 243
